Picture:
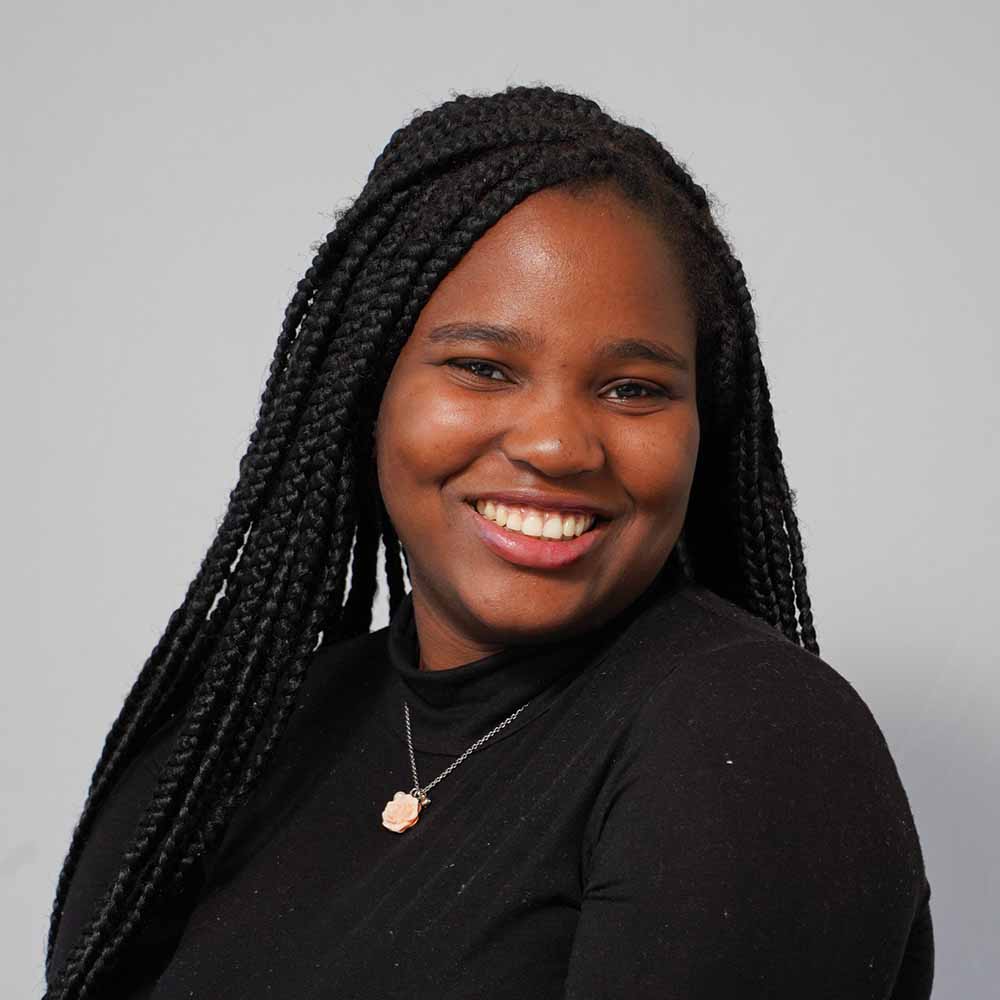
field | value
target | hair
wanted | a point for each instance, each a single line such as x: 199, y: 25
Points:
x: 271, y: 588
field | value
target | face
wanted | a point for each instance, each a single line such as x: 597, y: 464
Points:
x: 519, y: 378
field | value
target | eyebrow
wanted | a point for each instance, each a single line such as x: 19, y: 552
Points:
x: 627, y: 349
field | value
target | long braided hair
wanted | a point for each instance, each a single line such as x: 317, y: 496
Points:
x: 271, y: 588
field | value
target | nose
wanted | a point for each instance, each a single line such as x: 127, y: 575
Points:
x: 554, y: 437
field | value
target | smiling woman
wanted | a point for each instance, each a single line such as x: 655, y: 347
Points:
x: 524, y: 363
x: 580, y: 393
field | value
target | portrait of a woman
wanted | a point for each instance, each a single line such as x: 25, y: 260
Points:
x: 596, y: 752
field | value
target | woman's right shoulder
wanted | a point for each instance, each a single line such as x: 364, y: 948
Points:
x: 335, y: 670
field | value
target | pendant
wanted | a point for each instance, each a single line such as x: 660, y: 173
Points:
x: 403, y: 810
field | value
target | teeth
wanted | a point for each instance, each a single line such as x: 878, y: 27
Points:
x: 536, y: 523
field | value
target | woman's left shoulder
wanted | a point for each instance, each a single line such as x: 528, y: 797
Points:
x: 739, y: 706
x: 752, y: 832
x: 713, y: 654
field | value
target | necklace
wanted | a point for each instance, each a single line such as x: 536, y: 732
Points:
x: 403, y: 809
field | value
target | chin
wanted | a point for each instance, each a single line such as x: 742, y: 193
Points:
x: 525, y: 611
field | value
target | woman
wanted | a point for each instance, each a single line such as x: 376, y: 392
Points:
x: 596, y: 752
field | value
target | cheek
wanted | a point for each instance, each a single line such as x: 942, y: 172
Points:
x: 657, y: 463
x: 424, y: 436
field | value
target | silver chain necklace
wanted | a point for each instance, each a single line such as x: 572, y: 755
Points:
x: 403, y: 809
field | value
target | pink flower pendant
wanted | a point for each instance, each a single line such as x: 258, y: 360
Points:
x: 402, y: 811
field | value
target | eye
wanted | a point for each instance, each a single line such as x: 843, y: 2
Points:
x: 471, y: 366
x: 652, y: 391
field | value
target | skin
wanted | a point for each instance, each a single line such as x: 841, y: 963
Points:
x: 574, y: 270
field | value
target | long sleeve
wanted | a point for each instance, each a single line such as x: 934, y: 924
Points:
x: 758, y: 844
x: 99, y: 861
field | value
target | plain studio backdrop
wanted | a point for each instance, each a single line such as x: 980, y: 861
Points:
x: 168, y: 168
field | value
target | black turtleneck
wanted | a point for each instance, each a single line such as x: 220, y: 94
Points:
x: 450, y: 709
x: 689, y: 806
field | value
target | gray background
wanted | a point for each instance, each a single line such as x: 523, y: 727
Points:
x: 168, y: 168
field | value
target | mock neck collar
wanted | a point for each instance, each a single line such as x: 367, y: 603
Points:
x: 452, y: 708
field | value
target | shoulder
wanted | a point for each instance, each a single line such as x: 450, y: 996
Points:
x: 335, y: 674
x: 732, y: 685
x: 699, y: 650
x: 751, y: 827
x: 737, y: 726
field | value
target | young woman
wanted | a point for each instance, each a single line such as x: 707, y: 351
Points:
x: 596, y: 752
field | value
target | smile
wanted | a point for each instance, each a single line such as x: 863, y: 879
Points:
x: 538, y: 551
x: 535, y: 523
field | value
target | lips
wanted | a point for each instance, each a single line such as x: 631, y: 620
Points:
x: 536, y: 553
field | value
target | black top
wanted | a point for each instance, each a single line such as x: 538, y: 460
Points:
x: 690, y: 806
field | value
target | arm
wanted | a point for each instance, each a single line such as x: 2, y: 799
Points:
x: 752, y: 840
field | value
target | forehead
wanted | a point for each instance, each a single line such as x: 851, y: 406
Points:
x: 589, y: 261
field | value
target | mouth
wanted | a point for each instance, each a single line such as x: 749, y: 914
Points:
x: 534, y: 550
